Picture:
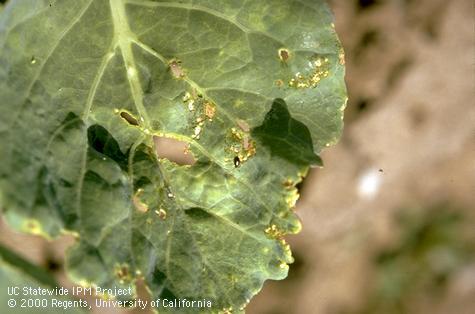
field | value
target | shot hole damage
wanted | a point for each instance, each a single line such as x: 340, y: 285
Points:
x: 174, y: 150
x: 284, y: 55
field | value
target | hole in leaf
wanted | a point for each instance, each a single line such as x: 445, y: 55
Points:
x: 173, y: 150
x: 129, y: 118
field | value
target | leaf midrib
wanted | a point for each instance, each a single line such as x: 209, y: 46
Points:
x: 122, y: 38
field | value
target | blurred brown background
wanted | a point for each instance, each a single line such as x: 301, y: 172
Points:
x: 408, y: 149
x: 389, y: 222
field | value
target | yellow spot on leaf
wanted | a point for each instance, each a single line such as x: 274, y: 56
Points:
x: 341, y: 57
x: 34, y: 227
x: 274, y: 232
x: 139, y: 205
x: 319, y: 71
x: 292, y: 198
x: 161, y: 213
x: 288, y: 184
x: 210, y: 110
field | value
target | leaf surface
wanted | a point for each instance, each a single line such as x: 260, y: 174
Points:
x: 86, y: 85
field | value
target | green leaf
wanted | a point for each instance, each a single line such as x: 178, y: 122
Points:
x: 87, y: 85
x: 286, y: 137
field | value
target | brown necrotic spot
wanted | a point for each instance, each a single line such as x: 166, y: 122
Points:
x: 176, y: 69
x: 129, y: 118
x: 284, y: 54
x: 174, y: 150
